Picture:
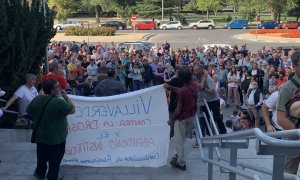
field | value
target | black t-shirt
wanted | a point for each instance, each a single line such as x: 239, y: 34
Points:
x: 176, y: 82
x: 274, y: 62
x: 85, y: 64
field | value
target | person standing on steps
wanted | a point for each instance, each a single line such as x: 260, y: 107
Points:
x: 184, y: 114
x: 50, y: 113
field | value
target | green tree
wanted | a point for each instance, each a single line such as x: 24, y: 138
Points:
x: 191, y: 6
x: 153, y: 8
x: 98, y: 5
x: 124, y: 8
x: 290, y: 5
x: 234, y: 4
x: 295, y: 11
x: 277, y: 7
x: 207, y: 5
x: 251, y: 8
x: 63, y: 8
x: 25, y: 33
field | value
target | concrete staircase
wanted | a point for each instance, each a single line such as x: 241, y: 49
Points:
x: 19, y: 159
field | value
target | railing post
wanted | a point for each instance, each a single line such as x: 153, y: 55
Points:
x: 278, y: 167
x: 210, y: 166
x: 233, y: 159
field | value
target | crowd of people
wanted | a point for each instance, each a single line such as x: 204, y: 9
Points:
x: 221, y: 76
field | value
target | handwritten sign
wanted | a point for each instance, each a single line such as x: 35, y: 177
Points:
x: 123, y: 130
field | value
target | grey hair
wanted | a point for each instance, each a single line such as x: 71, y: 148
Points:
x: 29, y: 77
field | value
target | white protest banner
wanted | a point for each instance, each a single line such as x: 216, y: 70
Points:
x: 123, y: 130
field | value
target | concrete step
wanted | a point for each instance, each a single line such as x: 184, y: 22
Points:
x: 18, y: 158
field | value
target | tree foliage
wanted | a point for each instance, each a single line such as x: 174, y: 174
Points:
x: 24, y: 35
x: 153, y: 8
x: 63, y: 8
x: 295, y: 11
x: 191, y: 6
x: 207, y: 5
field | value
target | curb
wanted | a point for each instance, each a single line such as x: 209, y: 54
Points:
x: 271, y: 40
x: 147, y: 37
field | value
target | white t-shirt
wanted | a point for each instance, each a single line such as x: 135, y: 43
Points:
x: 26, y: 95
x: 271, y: 103
x: 233, y: 77
x: 235, y: 120
x: 254, y: 72
x: 222, y: 102
x: 229, y: 130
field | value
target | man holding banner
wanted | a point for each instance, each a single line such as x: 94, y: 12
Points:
x: 184, y: 114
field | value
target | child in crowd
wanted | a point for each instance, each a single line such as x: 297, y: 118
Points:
x: 229, y: 127
x: 235, y: 119
x: 244, y: 122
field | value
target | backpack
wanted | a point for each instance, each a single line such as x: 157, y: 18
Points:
x: 293, y: 99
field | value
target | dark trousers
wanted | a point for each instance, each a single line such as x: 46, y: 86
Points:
x: 52, y: 154
x: 215, y: 108
x: 241, y: 95
x: 128, y: 83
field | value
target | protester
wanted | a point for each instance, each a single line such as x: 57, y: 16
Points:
x: 110, y: 86
x: 184, y: 115
x: 79, y: 80
x: 137, y: 75
x: 210, y: 94
x: 72, y: 69
x: 175, y: 82
x: 270, y: 104
x: 57, y: 73
x: 87, y: 88
x: 255, y: 100
x: 128, y: 68
x: 25, y: 95
x: 285, y: 120
x: 233, y: 80
x: 148, y: 74
x: 92, y: 71
x: 235, y: 118
x: 52, y: 130
x: 229, y: 127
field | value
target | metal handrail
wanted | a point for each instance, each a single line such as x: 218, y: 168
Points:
x: 257, y: 133
x: 266, y: 138
x: 228, y: 167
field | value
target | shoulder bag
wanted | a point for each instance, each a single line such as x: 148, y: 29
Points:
x: 35, y: 129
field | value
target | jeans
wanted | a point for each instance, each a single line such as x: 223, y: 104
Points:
x: 136, y: 85
x: 128, y: 83
x: 53, y: 154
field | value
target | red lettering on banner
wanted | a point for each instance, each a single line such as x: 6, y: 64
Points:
x: 131, y: 143
x: 144, y: 122
x: 83, y: 147
x: 83, y: 126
